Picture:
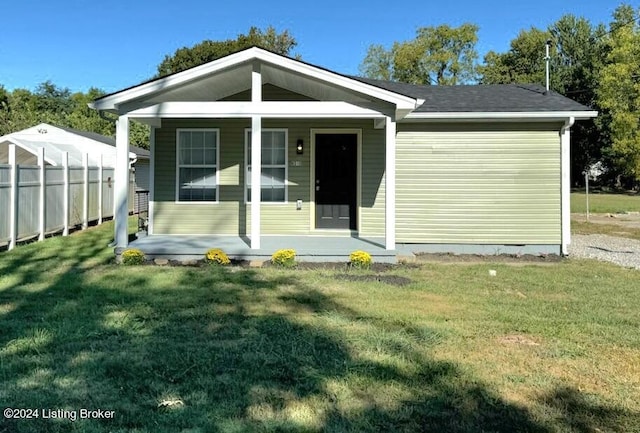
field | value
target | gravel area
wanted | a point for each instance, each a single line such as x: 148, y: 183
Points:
x: 621, y: 251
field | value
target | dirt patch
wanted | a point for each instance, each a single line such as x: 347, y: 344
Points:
x: 476, y: 258
x: 518, y: 339
x: 394, y: 280
x: 628, y: 220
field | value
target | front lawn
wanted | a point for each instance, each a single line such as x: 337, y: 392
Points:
x: 535, y: 348
x: 600, y: 202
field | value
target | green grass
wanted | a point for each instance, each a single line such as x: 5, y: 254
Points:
x: 537, y: 348
x: 605, y: 202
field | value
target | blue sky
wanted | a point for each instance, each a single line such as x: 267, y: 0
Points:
x: 118, y: 43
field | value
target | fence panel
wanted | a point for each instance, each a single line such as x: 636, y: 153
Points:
x: 5, y: 197
x: 54, y: 198
x: 94, y: 189
x: 107, y: 192
x: 76, y: 195
x: 28, y: 201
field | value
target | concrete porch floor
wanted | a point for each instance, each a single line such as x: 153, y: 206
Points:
x: 308, y: 248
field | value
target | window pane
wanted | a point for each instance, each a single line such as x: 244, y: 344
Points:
x: 197, y: 184
x: 273, y: 176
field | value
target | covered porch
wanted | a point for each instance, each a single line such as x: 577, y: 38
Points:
x: 311, y: 248
x: 259, y: 90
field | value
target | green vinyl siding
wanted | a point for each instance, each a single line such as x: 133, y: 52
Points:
x: 269, y: 93
x: 372, y: 207
x: 231, y: 215
x: 478, y: 184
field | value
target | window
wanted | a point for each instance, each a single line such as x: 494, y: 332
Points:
x: 274, y: 166
x: 197, y: 165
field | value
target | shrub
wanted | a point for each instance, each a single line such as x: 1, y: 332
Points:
x: 216, y: 256
x: 284, y: 258
x: 360, y: 259
x: 133, y: 256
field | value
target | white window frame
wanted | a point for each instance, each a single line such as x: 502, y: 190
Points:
x: 247, y: 199
x: 179, y: 166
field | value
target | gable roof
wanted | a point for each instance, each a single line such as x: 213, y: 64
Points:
x: 232, y: 74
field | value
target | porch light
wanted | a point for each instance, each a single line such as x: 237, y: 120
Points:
x: 299, y: 146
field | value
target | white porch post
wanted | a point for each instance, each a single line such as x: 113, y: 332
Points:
x: 565, y: 182
x: 256, y: 157
x: 390, y: 185
x: 121, y: 175
x: 152, y: 177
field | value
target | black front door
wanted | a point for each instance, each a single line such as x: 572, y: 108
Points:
x: 336, y: 181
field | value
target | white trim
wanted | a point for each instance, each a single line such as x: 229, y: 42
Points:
x: 178, y: 166
x: 312, y: 174
x: 256, y: 82
x: 152, y: 177
x: 248, y: 109
x: 390, y: 185
x: 565, y: 183
x: 498, y: 115
x: 146, y: 90
x: 286, y: 166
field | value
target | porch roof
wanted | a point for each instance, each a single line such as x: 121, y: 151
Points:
x: 232, y: 74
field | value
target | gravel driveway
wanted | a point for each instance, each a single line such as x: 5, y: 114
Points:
x: 621, y: 251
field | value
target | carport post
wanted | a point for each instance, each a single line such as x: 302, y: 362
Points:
x: 13, y: 198
x: 43, y: 189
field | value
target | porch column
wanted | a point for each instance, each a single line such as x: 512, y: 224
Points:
x: 256, y: 157
x: 565, y: 184
x: 152, y: 177
x: 256, y: 186
x: 121, y: 174
x: 390, y: 185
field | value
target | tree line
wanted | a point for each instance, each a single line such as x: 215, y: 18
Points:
x: 596, y: 64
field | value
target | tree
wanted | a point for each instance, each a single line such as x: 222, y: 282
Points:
x: 438, y: 55
x: 207, y: 50
x: 619, y: 92
x: 577, y: 53
x: 523, y: 63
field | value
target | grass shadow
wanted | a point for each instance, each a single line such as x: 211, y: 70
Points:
x: 215, y: 349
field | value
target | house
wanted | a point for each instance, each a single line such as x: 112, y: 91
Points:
x: 398, y: 168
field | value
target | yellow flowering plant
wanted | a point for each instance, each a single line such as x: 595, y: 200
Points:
x: 284, y: 258
x: 133, y: 256
x: 216, y: 256
x: 360, y: 259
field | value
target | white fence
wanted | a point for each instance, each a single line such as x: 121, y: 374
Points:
x: 40, y: 200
